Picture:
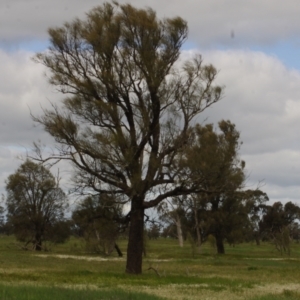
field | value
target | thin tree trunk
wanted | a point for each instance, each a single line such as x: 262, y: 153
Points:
x: 179, y: 230
x: 38, y: 242
x: 257, y: 239
x: 220, y: 244
x: 197, y: 230
x: 96, y: 232
x: 135, y: 238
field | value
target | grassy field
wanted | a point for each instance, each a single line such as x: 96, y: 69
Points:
x: 247, y: 271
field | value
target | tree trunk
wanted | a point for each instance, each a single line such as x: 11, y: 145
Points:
x: 179, y: 230
x: 197, y: 229
x: 257, y: 239
x: 135, y: 238
x: 220, y: 244
x: 38, y: 242
x: 118, y: 250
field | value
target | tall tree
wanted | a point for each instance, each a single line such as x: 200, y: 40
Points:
x: 128, y: 109
x: 35, y: 204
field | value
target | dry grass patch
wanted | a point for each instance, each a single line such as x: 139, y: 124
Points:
x: 205, y: 291
x: 87, y: 258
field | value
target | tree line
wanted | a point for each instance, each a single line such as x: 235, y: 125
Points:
x: 226, y: 212
x: 277, y: 223
x: 128, y: 126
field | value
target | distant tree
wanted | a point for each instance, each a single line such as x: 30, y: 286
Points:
x: 5, y: 227
x: 1, y: 215
x: 99, y: 219
x: 255, y: 205
x: 153, y: 231
x: 35, y: 205
x: 173, y: 213
x: 129, y: 108
x: 60, y: 231
x: 295, y: 231
x: 169, y: 231
x: 277, y: 223
x: 277, y: 216
x: 2, y: 221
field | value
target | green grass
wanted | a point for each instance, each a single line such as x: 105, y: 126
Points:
x: 286, y: 294
x: 246, y: 271
x: 50, y: 293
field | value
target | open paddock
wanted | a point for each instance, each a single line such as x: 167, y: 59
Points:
x: 246, y: 271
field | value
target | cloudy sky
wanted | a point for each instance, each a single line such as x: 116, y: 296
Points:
x: 255, y: 45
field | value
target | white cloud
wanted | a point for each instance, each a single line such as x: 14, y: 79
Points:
x: 280, y: 168
x: 210, y: 22
x: 262, y: 97
x: 278, y: 193
x: 23, y: 89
